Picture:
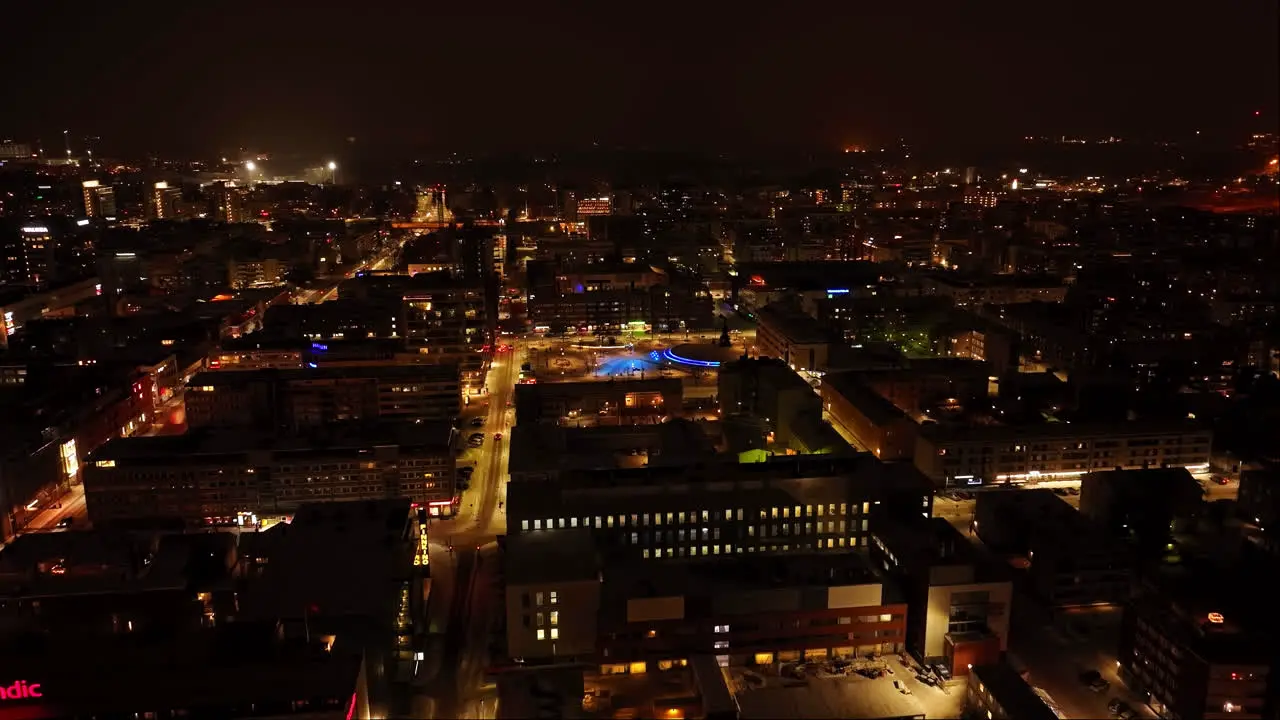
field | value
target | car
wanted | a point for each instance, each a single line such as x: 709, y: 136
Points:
x: 476, y: 436
x: 901, y: 687
x: 943, y: 672
x: 66, y: 522
x: 477, y: 422
x: 497, y: 436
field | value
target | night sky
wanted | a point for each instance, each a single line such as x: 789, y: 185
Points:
x: 180, y: 76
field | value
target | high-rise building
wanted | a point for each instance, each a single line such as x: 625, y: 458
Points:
x: 99, y: 200
x: 594, y: 206
x: 164, y: 201
x: 228, y: 201
x: 37, y: 259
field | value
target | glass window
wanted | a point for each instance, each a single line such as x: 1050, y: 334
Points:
x: 555, y: 633
x: 542, y: 634
x: 554, y: 597
x: 555, y: 617
x: 539, y: 599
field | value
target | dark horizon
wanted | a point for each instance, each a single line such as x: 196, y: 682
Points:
x: 287, y: 77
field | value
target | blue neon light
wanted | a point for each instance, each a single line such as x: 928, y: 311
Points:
x: 838, y: 291
x: 688, y: 361
x: 311, y: 365
x: 319, y: 347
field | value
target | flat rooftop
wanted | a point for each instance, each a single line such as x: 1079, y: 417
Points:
x: 327, y: 440
x: 1013, y: 693
x: 555, y: 556
x: 334, y: 559
x: 1055, y: 430
x: 852, y: 387
x: 930, y: 542
x: 740, y: 574
x: 792, y: 322
x: 437, y: 372
x: 541, y: 447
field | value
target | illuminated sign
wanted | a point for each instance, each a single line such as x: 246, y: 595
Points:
x: 35, y: 229
x: 837, y: 291
x: 1216, y: 618
x: 82, y: 222
x: 20, y: 690
x: 319, y: 347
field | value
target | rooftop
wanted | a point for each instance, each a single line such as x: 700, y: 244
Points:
x: 328, y: 439
x: 798, y: 326
x: 1013, y: 693
x: 338, y: 559
x: 879, y: 409
x: 1055, y: 430
x: 548, y: 557
x: 431, y: 372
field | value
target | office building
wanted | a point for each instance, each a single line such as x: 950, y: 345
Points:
x: 766, y: 389
x: 788, y: 505
x: 564, y: 603
x: 313, y: 396
x: 99, y: 200
x: 958, y: 597
x: 961, y: 455
x: 237, y: 476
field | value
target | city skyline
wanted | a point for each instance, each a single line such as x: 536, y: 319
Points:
x: 298, y: 79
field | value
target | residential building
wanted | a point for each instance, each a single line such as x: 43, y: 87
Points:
x: 871, y: 419
x: 960, y: 455
x: 786, y: 332
x: 1194, y: 649
x: 235, y: 476
x: 294, y: 398
x: 617, y: 402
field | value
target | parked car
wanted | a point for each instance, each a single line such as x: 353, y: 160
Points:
x: 900, y: 687
x: 1094, y: 680
x: 943, y: 672
x: 477, y: 422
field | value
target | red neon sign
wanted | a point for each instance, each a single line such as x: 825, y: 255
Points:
x: 20, y: 690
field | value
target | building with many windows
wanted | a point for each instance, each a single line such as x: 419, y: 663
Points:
x: 565, y: 602
x: 997, y: 692
x: 963, y: 455
x: 319, y: 394
x: 1194, y: 649
x: 217, y: 477
x: 720, y: 507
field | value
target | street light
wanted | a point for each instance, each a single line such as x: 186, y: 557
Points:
x: 333, y: 173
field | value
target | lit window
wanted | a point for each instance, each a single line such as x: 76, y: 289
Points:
x: 555, y: 633
x: 722, y: 628
x: 722, y: 644
x: 542, y: 634
x: 555, y: 617
x: 554, y: 597
x: 539, y: 597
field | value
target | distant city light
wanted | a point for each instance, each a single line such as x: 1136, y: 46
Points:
x: 250, y: 166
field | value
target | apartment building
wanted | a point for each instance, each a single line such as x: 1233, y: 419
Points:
x: 234, y: 476
x: 786, y: 332
x: 316, y: 394
x: 1193, y: 648
x: 871, y: 419
x: 956, y: 455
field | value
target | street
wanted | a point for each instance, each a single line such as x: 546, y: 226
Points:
x: 464, y: 561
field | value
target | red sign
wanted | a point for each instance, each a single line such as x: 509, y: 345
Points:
x: 20, y: 690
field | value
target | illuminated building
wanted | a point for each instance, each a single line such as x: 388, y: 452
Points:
x: 594, y: 206
x: 981, y: 198
x: 99, y: 200
x: 164, y: 201
x: 220, y: 476
x: 314, y: 396
x: 31, y: 260
x: 1197, y: 649
x: 1027, y: 454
